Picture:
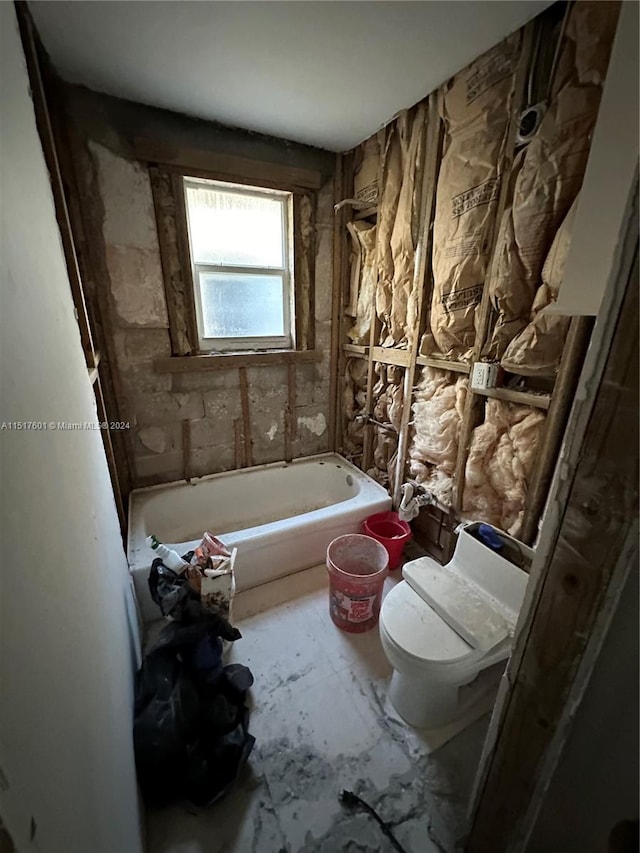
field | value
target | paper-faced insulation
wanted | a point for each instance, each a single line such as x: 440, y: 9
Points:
x: 398, y: 226
x: 475, y: 108
x: 438, y: 406
x: 549, y: 173
x: 499, y: 465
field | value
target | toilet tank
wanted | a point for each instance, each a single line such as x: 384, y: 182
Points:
x: 496, y: 575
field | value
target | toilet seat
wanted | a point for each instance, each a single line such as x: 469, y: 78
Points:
x: 418, y: 634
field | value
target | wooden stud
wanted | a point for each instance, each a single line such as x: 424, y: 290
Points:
x: 246, y: 419
x: 49, y: 148
x: 474, y: 403
x: 547, y: 452
x: 186, y: 449
x: 304, y: 229
x: 228, y: 166
x: 573, y: 599
x: 290, y: 414
x: 177, y: 279
x: 347, y: 161
x: 422, y: 277
x: 182, y: 233
x: 374, y: 332
x: 336, y: 298
x: 238, y: 444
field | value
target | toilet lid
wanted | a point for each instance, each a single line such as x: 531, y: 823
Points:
x: 413, y: 626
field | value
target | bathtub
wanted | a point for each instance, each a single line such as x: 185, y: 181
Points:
x: 280, y: 516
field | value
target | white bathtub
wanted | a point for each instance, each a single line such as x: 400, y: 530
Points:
x: 281, y: 517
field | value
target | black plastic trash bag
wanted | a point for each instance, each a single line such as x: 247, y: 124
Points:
x: 191, y: 728
x: 167, y: 714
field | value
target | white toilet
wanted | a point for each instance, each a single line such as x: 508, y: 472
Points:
x: 443, y: 627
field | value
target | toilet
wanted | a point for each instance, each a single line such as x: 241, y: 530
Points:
x: 445, y: 628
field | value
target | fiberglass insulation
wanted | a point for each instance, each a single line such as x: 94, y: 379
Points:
x: 398, y: 222
x: 354, y: 399
x: 475, y: 108
x: 499, y: 465
x: 437, y: 415
x: 549, y: 171
x: 387, y: 393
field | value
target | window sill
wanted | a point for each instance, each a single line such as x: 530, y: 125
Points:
x: 223, y: 361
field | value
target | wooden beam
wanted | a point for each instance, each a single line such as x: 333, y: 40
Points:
x: 238, y: 444
x: 391, y: 355
x: 195, y: 161
x: 443, y: 364
x: 374, y: 332
x: 304, y: 229
x: 290, y: 414
x: 186, y: 449
x: 474, y: 402
x: 176, y: 278
x: 246, y: 419
x: 184, y: 254
x: 561, y: 399
x: 336, y: 302
x: 355, y: 349
x: 512, y: 395
x: 224, y: 361
x: 49, y: 148
x: 596, y: 546
x: 422, y: 276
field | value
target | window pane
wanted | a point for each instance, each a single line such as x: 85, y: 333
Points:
x: 232, y: 229
x: 241, y: 306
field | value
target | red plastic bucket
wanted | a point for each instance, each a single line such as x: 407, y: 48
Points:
x: 387, y: 528
x: 357, y: 567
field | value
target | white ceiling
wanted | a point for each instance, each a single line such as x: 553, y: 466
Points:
x: 325, y: 73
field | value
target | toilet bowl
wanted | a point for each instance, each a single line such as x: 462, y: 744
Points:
x: 444, y: 628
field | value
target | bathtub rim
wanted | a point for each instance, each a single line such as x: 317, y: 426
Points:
x: 194, y: 481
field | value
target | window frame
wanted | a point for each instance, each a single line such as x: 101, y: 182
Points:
x: 212, y: 345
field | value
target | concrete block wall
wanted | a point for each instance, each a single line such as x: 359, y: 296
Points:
x: 156, y: 404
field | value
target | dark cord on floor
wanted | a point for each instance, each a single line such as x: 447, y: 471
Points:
x: 348, y: 798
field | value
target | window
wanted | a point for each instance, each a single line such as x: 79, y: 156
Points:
x: 242, y: 262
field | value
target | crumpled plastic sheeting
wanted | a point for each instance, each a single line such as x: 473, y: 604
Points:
x: 388, y: 393
x: 476, y: 108
x: 537, y: 350
x: 437, y: 416
x: 499, y: 465
x: 398, y: 222
x: 549, y: 171
x: 354, y: 400
x: 363, y: 279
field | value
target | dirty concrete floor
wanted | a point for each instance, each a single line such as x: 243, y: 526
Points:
x: 322, y: 723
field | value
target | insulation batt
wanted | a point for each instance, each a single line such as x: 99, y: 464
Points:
x: 499, y: 465
x: 365, y: 179
x: 437, y: 416
x: 354, y: 398
x: 387, y: 392
x: 398, y: 222
x: 363, y: 278
x: 475, y: 108
x: 537, y: 350
x: 548, y: 173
